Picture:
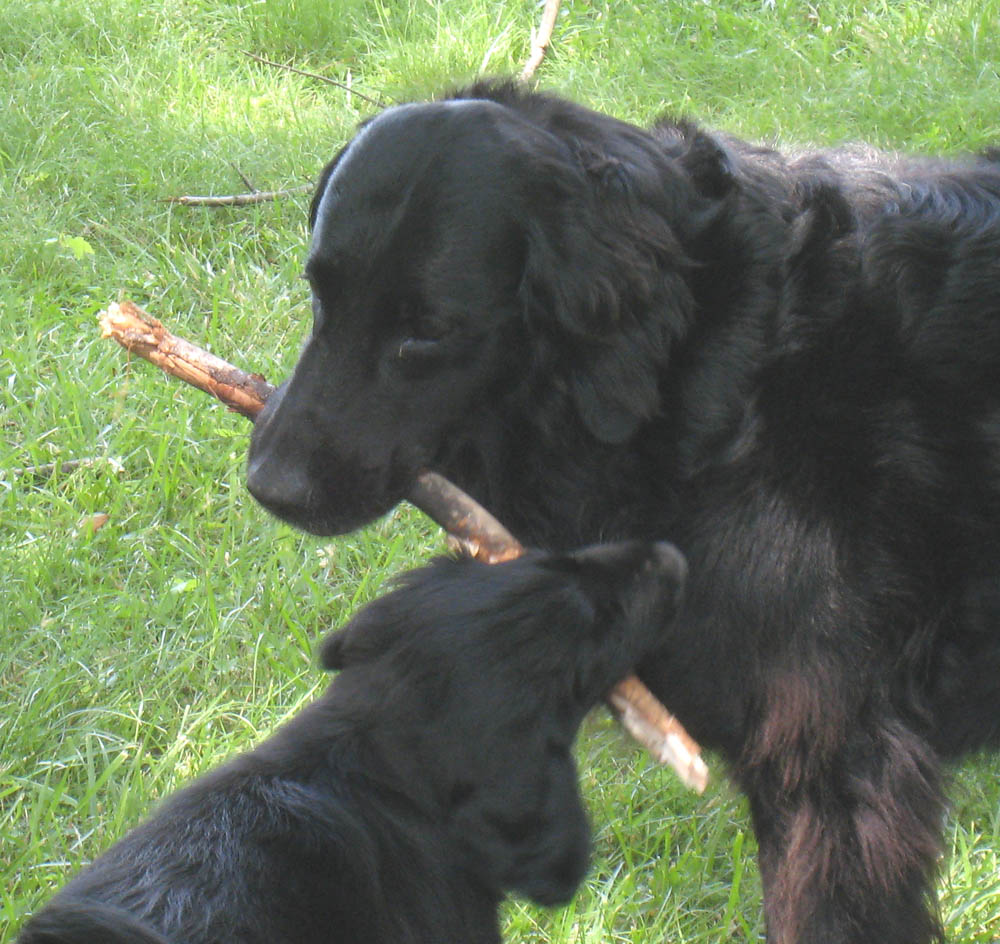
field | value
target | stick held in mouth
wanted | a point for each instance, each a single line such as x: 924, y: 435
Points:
x: 483, y: 536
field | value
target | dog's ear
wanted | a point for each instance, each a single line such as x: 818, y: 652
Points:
x: 603, y: 280
x: 708, y: 163
x: 615, y: 384
x: 528, y: 833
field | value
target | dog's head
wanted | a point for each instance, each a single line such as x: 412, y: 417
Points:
x: 471, y: 681
x: 476, y: 264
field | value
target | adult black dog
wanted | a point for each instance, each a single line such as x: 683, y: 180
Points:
x: 433, y: 775
x: 789, y: 365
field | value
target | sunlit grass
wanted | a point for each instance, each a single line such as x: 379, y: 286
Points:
x: 139, y: 655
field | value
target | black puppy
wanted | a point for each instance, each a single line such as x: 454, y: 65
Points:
x: 434, y: 774
x: 788, y: 364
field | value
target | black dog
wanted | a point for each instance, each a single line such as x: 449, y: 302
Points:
x: 433, y: 775
x: 789, y: 365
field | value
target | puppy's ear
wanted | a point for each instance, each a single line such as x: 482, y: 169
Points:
x: 382, y: 624
x: 332, y: 651
x: 368, y: 634
x: 340, y: 649
x: 635, y: 589
x: 603, y: 281
x: 86, y: 922
x: 629, y: 571
x: 530, y: 838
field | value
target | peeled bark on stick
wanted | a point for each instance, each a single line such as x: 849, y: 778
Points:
x: 459, y: 514
x: 139, y: 332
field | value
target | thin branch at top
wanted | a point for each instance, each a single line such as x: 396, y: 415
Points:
x: 541, y: 39
x: 313, y: 75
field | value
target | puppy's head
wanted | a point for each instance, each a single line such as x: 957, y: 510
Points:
x: 479, y: 677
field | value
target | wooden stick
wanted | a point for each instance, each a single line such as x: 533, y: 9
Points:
x: 459, y: 514
x: 140, y: 333
x: 238, y: 199
x: 540, y: 40
x: 479, y: 533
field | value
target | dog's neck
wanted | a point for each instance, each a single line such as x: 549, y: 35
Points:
x: 548, y: 498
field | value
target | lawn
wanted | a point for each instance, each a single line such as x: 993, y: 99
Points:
x: 137, y: 654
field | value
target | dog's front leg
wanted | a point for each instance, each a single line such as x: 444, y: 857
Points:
x: 848, y: 853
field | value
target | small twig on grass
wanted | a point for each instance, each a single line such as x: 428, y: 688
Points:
x: 459, y: 514
x: 239, y: 199
x: 313, y: 75
x: 38, y: 473
x: 248, y: 183
x: 540, y: 40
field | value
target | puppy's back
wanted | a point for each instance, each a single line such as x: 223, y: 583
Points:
x: 87, y: 922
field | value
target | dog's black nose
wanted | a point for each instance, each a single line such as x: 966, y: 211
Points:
x: 276, y: 475
x: 281, y: 487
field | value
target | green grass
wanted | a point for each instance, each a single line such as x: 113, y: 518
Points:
x: 183, y: 630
